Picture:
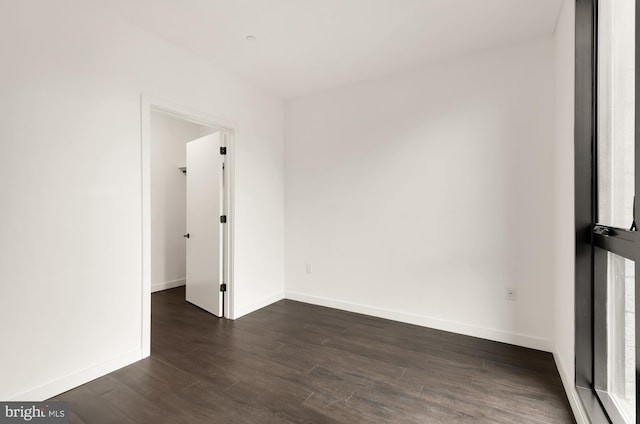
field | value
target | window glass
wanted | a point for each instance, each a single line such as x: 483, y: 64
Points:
x: 621, y: 351
x: 616, y: 98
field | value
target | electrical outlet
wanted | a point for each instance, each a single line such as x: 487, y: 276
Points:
x: 510, y: 293
x: 308, y: 268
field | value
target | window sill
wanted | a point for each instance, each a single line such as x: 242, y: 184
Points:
x: 592, y: 406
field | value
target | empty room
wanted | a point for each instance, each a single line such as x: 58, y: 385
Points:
x: 319, y: 211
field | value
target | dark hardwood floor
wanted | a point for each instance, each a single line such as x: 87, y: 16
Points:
x: 296, y: 363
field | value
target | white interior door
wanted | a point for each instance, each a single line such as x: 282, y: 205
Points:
x: 204, y: 208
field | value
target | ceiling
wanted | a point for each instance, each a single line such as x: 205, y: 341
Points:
x: 305, y: 46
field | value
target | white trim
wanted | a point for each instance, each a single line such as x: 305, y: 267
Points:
x: 167, y: 285
x: 186, y: 113
x: 265, y: 301
x: 425, y: 321
x: 147, y: 104
x: 145, y: 188
x: 79, y: 378
x: 579, y: 412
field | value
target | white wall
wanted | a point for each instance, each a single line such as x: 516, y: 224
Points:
x: 70, y: 183
x: 421, y: 196
x: 564, y: 337
x: 168, y: 198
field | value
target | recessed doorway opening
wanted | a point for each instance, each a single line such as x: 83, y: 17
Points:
x: 187, y: 211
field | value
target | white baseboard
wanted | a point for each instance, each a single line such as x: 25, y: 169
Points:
x: 569, y: 387
x: 167, y: 285
x: 265, y: 301
x: 78, y: 378
x: 425, y: 321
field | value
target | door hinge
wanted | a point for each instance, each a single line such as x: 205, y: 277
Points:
x: 223, y: 219
x: 223, y: 287
x: 223, y: 150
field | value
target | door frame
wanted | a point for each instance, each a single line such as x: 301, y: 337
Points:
x: 149, y: 104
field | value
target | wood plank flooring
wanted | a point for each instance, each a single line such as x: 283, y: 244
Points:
x: 297, y: 363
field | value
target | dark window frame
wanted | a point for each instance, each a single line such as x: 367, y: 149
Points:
x: 589, y: 243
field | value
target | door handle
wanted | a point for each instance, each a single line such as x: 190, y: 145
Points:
x: 186, y: 235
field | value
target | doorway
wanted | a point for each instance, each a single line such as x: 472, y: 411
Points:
x: 172, y: 253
